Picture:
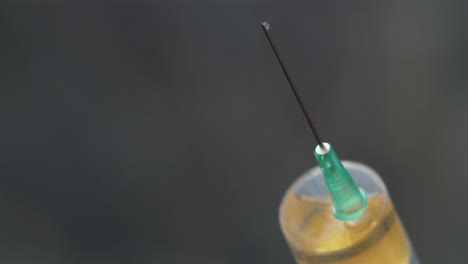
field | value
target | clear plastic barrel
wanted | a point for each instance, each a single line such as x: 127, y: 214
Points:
x: 316, y: 237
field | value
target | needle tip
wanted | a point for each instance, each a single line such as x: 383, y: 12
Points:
x: 266, y: 25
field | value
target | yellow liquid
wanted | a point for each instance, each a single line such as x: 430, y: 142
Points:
x: 315, y: 236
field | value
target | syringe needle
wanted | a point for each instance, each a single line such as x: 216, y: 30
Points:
x: 349, y: 202
x: 266, y: 26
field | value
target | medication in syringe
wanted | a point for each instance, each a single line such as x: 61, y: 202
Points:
x: 315, y: 236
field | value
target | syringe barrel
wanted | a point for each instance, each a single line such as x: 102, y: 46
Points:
x: 315, y: 236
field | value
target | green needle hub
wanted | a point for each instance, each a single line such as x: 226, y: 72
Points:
x: 349, y: 201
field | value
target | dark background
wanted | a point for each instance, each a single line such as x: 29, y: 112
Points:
x: 165, y: 132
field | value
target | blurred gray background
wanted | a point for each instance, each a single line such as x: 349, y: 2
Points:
x: 165, y: 132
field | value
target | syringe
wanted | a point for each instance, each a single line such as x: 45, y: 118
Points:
x: 327, y: 218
